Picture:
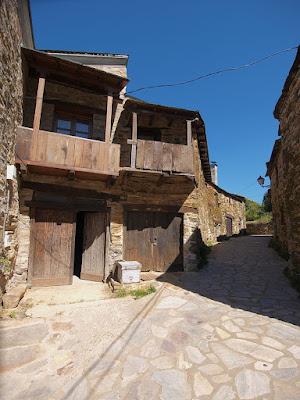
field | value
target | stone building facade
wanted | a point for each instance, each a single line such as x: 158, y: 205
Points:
x: 14, y: 16
x: 106, y: 177
x: 284, y: 170
x: 227, y: 212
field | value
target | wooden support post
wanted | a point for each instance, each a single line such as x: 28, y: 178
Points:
x: 189, y: 133
x: 37, y: 114
x: 108, y: 118
x: 134, y: 140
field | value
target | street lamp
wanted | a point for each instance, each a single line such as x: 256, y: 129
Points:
x: 261, y: 182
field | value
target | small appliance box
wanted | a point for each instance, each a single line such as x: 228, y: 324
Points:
x: 129, y: 271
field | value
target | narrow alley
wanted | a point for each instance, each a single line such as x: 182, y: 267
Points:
x: 230, y: 331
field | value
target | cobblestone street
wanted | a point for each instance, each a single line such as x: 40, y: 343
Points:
x: 230, y: 331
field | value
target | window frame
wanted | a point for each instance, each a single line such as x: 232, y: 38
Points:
x: 74, y: 119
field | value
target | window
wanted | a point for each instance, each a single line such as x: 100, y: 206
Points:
x: 72, y: 125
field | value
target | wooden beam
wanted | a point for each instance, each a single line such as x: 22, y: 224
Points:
x: 108, y: 118
x: 37, y: 114
x: 134, y: 139
x: 68, y: 191
x: 189, y: 132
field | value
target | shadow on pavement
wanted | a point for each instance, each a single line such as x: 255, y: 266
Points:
x: 246, y: 274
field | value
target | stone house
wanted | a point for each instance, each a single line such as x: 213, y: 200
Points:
x: 102, y: 176
x: 15, y: 31
x: 283, y: 170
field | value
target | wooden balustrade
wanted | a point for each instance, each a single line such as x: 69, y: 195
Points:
x: 166, y: 157
x: 57, y: 152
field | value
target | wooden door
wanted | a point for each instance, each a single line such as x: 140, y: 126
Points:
x: 228, y: 226
x: 52, y: 247
x: 138, y: 238
x: 155, y: 240
x: 167, y: 242
x: 93, y: 255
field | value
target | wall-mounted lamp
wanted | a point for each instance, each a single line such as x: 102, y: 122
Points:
x: 261, y: 182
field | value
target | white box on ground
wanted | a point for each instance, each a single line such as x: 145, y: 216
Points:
x: 129, y: 271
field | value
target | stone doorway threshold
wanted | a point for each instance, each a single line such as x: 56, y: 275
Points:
x: 80, y: 291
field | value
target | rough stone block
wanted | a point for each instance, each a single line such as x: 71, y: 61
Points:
x: 12, y: 298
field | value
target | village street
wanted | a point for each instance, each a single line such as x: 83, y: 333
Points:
x: 231, y: 331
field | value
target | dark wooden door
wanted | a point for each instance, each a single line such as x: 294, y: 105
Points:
x: 228, y: 226
x: 138, y: 238
x: 166, y: 241
x: 155, y: 240
x: 52, y: 247
x: 93, y: 255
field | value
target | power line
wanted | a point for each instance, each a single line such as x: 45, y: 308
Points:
x: 220, y: 71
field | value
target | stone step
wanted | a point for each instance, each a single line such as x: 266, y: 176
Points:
x: 15, y: 357
x: 21, y: 333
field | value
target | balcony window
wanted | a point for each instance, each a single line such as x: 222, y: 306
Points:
x: 68, y: 125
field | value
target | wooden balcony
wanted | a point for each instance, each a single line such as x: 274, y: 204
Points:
x: 163, y: 157
x: 56, y: 154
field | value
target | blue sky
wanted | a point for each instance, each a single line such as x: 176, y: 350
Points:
x: 170, y: 41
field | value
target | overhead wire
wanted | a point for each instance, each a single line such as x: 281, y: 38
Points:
x: 217, y: 72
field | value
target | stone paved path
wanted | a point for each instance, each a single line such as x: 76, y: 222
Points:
x: 230, y: 331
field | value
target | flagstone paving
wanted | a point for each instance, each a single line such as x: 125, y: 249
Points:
x: 230, y: 331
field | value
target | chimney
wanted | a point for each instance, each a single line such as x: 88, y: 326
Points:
x: 214, y: 172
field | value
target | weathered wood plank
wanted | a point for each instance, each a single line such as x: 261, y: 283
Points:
x: 140, y: 154
x: 189, y: 133
x: 108, y: 118
x: 114, y: 154
x: 37, y: 114
x: 52, y: 255
x: 134, y: 138
x: 93, y: 257
x: 149, y: 154
x: 167, y: 155
x: 157, y: 156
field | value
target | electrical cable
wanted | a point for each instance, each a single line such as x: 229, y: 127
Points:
x: 220, y: 71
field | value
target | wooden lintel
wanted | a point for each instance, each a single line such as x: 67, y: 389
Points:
x: 71, y: 206
x: 67, y: 190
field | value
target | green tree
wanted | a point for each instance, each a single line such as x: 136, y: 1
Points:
x: 267, y: 204
x: 253, y: 210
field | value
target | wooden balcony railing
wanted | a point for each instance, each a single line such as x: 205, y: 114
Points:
x: 54, y: 153
x: 166, y: 157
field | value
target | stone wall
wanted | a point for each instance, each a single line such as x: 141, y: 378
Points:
x: 11, y: 90
x: 259, y: 228
x: 284, y: 169
x: 221, y: 205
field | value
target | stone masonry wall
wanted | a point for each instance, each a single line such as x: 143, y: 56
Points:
x: 11, y: 90
x: 285, y: 174
x: 222, y: 205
